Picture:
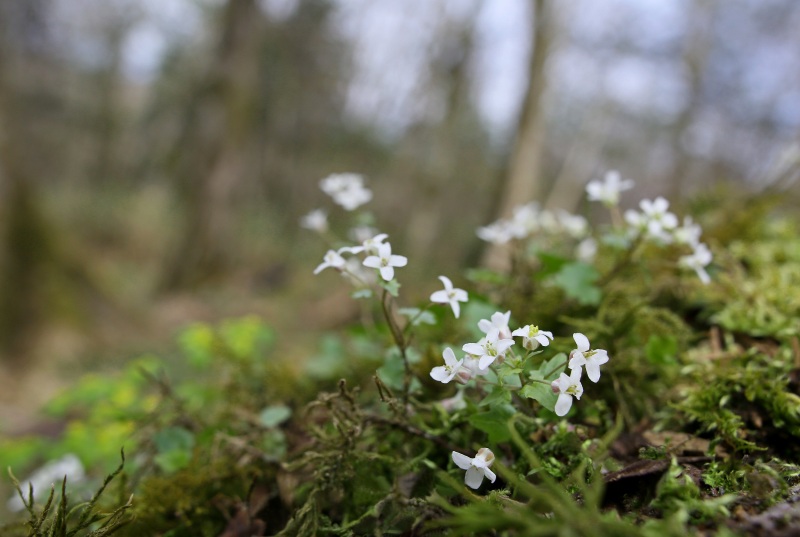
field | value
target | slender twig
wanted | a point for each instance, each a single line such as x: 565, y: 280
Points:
x: 400, y: 340
x: 556, y: 368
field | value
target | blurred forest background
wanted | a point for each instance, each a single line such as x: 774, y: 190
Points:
x: 156, y: 155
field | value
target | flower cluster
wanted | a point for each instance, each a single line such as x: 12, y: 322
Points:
x: 528, y: 220
x: 346, y: 189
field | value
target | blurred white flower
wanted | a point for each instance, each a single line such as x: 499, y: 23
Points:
x: 370, y: 244
x: 457, y: 402
x: 698, y: 260
x: 496, y: 233
x: 659, y: 220
x: 608, y: 191
x: 385, y: 262
x: 346, y: 189
x: 331, y: 259
x: 48, y: 475
x: 586, y: 250
x: 525, y: 220
x: 449, y: 295
x: 689, y: 233
x: 477, y: 468
x: 316, y: 220
x: 575, y: 225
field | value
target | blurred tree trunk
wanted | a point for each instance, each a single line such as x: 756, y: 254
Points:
x: 698, y: 45
x: 223, y: 115
x: 522, y: 181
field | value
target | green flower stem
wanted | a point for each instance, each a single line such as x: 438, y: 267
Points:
x: 624, y: 261
x: 401, y: 343
x: 555, y: 369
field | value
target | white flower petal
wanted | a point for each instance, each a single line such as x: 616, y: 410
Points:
x: 387, y: 273
x: 486, y: 361
x: 541, y: 338
x: 563, y: 404
x: 473, y: 348
x: 473, y: 478
x: 592, y: 371
x: 485, y: 326
x: 448, y: 285
x: 440, y: 373
x: 449, y: 357
x: 440, y: 297
x: 489, y: 474
x: 582, y: 342
x: 456, y: 308
x: 372, y: 261
x: 462, y: 461
x: 398, y: 260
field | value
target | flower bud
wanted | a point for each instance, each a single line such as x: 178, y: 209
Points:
x: 463, y: 376
x: 555, y: 387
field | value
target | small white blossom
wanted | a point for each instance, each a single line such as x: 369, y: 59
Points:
x: 472, y: 364
x: 385, y: 262
x: 698, y: 260
x: 362, y: 233
x: 608, y: 191
x: 449, y: 295
x: 575, y: 225
x: 567, y: 387
x: 660, y: 222
x: 447, y: 372
x: 356, y: 274
x: 316, y: 220
x: 548, y: 222
x: 499, y: 322
x: 496, y: 233
x: 532, y: 337
x: 689, y: 233
x: 452, y: 404
x: 346, y: 189
x: 586, y: 250
x: 477, y: 468
x: 489, y: 348
x: 584, y: 356
x: 370, y: 244
x: 332, y: 259
x: 525, y: 220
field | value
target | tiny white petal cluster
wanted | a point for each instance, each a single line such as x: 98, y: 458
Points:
x: 607, y: 192
x: 499, y: 322
x: 477, y: 468
x: 488, y: 349
x: 385, y: 261
x: 451, y: 369
x: 586, y: 357
x: 316, y: 220
x: 697, y: 261
x: 532, y: 337
x: 528, y: 220
x: 449, y: 295
x: 346, y: 189
x: 332, y: 259
x: 567, y: 387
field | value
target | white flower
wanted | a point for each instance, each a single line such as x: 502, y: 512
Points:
x: 496, y: 233
x: 476, y: 468
x: 488, y: 349
x: 583, y: 356
x: 447, y: 372
x: 567, y: 387
x: 362, y: 233
x: 449, y: 295
x: 385, y: 261
x: 51, y: 473
x: 575, y: 225
x: 499, y: 322
x: 548, y: 222
x: 532, y: 337
x: 525, y: 220
x: 356, y: 274
x: 607, y: 192
x: 346, y: 189
x: 637, y: 220
x: 659, y: 220
x: 698, y: 261
x: 689, y: 233
x: 370, y: 244
x: 454, y: 403
x: 586, y: 250
x: 472, y: 364
x: 332, y: 259
x: 316, y: 220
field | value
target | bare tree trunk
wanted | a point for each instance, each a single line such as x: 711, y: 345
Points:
x: 225, y: 112
x: 522, y: 181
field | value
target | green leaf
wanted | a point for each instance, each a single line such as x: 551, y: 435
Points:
x: 499, y: 395
x: 577, y: 280
x: 362, y: 293
x: 661, y: 350
x: 173, y: 439
x: 550, y: 264
x: 541, y: 393
x: 172, y: 461
x: 494, y: 422
x: 418, y: 316
x: 246, y: 337
x: 197, y: 343
x: 272, y: 416
x: 392, y: 287
x: 486, y: 276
